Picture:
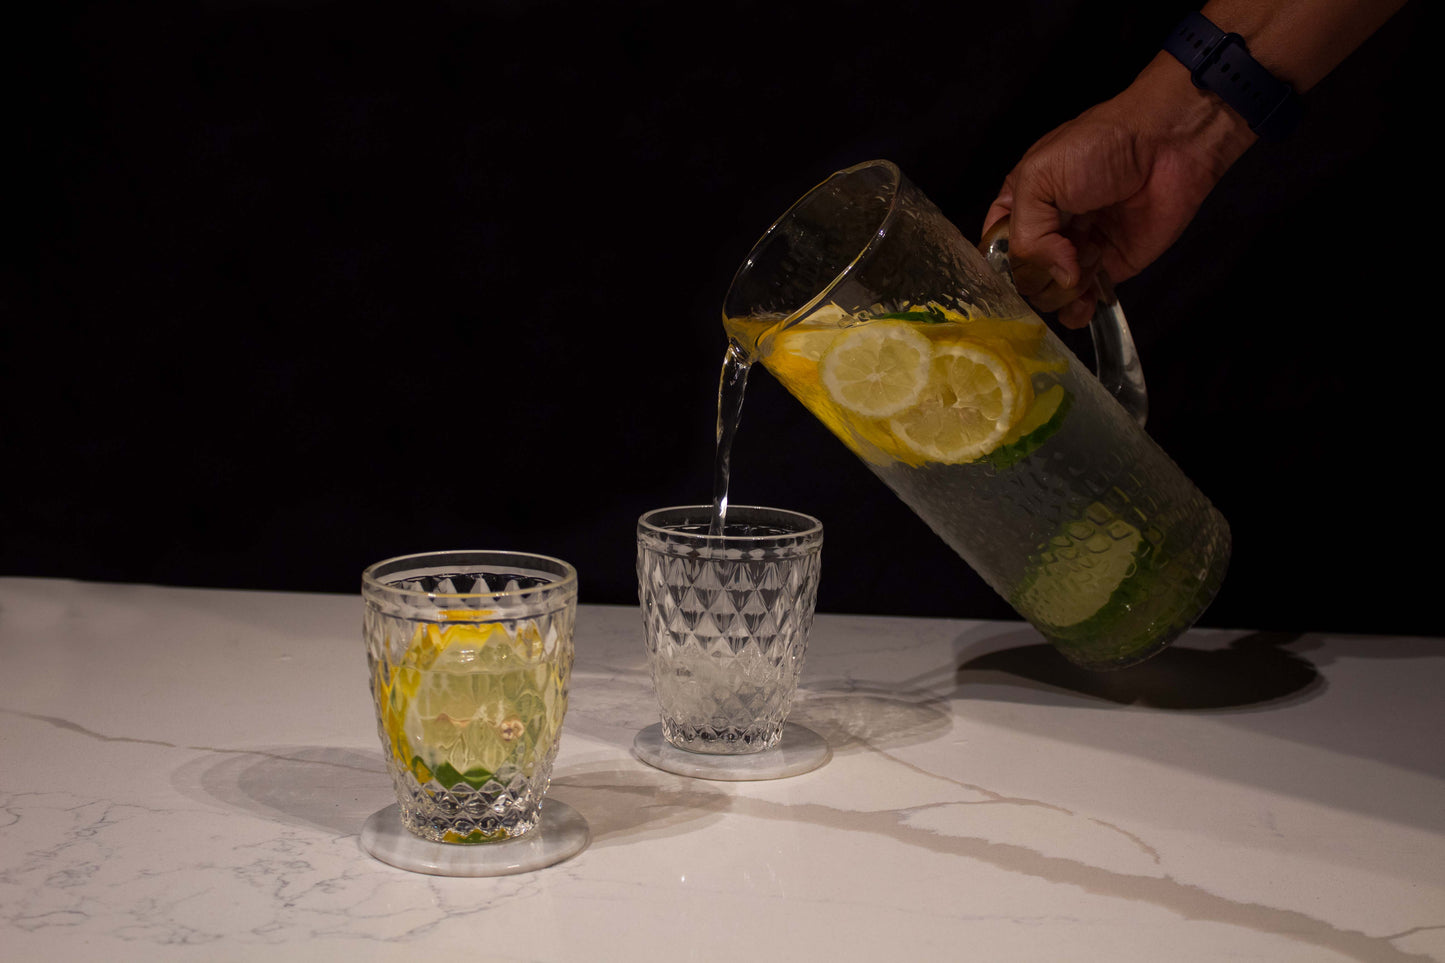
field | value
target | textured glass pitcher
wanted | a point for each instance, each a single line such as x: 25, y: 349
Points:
x: 914, y: 348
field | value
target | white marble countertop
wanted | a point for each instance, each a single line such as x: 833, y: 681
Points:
x: 184, y: 774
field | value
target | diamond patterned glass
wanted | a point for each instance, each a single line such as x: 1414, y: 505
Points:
x: 471, y: 658
x: 726, y: 621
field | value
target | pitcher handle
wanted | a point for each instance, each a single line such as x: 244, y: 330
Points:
x: 1115, y: 357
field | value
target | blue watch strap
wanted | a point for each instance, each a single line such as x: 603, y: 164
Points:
x: 1220, y: 62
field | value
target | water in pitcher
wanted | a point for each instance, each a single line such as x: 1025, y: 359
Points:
x: 961, y: 415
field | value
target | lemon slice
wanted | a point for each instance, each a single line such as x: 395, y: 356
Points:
x: 794, y: 353
x: 1043, y: 408
x: 972, y: 401
x: 454, y: 685
x: 877, y: 369
x: 793, y: 359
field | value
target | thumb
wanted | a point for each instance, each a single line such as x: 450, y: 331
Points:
x: 1001, y: 207
x: 1037, y: 238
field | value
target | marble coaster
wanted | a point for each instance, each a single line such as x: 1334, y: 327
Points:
x: 561, y: 834
x: 800, y: 750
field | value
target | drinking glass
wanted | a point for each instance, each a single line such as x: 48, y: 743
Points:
x: 471, y: 656
x: 726, y: 620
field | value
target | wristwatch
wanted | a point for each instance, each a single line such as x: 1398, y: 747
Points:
x: 1220, y: 63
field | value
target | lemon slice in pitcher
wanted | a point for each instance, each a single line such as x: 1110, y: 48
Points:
x: 972, y: 400
x: 877, y: 369
x: 794, y: 354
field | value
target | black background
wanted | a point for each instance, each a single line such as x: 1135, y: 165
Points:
x: 290, y: 287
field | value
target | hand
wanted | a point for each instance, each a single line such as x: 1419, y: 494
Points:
x: 1112, y: 189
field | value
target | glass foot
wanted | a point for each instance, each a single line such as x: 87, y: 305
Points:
x: 561, y: 834
x: 800, y: 750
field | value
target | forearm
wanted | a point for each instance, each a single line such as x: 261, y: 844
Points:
x: 1300, y: 41
x: 1114, y: 187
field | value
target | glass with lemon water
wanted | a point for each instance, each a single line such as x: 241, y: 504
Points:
x: 1017, y: 458
x: 470, y: 657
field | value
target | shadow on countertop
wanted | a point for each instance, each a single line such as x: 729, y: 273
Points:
x: 1289, y: 710
x: 1252, y: 670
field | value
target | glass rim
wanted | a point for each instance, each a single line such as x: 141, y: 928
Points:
x: 566, y: 572
x: 811, y: 528
x: 874, y: 239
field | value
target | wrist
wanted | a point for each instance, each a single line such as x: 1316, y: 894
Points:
x: 1220, y: 62
x: 1300, y: 42
x: 1164, y: 96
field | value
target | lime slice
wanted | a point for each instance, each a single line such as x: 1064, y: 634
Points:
x: 877, y: 369
x: 1080, y: 569
x: 972, y: 400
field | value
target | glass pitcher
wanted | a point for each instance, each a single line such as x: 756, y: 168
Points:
x: 871, y: 308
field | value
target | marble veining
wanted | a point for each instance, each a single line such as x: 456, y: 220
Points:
x: 186, y: 774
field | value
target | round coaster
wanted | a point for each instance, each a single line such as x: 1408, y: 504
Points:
x: 561, y: 834
x: 800, y: 750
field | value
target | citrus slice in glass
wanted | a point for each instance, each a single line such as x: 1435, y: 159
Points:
x: 443, y: 685
x: 877, y: 369
x: 972, y: 400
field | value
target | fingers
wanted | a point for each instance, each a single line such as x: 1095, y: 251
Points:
x: 1070, y: 290
x: 1054, y: 259
x: 1080, y: 311
x: 1055, y: 269
x: 1077, y: 313
x: 1039, y: 233
x: 1037, y: 237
